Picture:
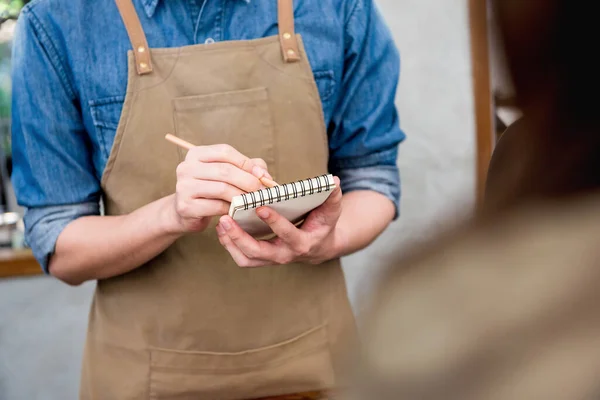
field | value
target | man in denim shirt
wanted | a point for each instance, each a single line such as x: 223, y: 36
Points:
x: 71, y: 82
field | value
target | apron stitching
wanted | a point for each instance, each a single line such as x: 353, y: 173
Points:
x: 270, y: 347
x: 283, y: 70
x: 252, y: 367
x: 247, y: 103
x: 187, y: 103
x: 166, y: 78
x: 150, y: 391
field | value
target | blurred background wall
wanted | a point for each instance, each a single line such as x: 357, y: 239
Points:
x: 43, y: 322
x: 435, y: 99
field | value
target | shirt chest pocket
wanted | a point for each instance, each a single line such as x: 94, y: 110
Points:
x: 106, y: 113
x: 326, y: 86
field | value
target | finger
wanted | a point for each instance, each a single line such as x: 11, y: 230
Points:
x: 203, y: 189
x: 328, y: 214
x: 238, y: 256
x: 250, y: 247
x: 262, y: 164
x: 222, y: 153
x: 200, y: 208
x: 223, y: 172
x: 259, y: 162
x: 284, y: 229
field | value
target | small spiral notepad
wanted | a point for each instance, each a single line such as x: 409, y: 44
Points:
x: 292, y: 200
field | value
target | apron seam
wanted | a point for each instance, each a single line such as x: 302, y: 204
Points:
x: 228, y: 371
x: 219, y: 107
x: 166, y: 78
x: 251, y: 351
x: 283, y: 70
x: 151, y: 395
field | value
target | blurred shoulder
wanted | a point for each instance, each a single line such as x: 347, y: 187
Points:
x: 437, y: 315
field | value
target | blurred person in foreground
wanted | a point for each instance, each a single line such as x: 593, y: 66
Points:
x: 507, y: 308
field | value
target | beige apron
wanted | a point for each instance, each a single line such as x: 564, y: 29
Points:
x: 190, y: 324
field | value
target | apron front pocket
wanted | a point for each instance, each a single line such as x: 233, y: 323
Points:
x: 241, y: 119
x: 297, y: 365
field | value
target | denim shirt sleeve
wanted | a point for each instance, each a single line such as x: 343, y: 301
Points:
x: 53, y: 175
x: 45, y: 224
x: 364, y: 131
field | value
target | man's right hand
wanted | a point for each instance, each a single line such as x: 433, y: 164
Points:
x: 207, y: 180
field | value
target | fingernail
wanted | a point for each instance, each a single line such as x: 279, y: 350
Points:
x: 263, y: 213
x: 258, y: 172
x: 220, y: 230
x: 225, y: 224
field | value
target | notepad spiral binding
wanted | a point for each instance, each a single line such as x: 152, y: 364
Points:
x: 293, y: 190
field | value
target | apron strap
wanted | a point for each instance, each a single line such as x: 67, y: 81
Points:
x: 287, y: 36
x: 141, y: 52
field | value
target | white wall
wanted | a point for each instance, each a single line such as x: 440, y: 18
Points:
x: 435, y: 99
x: 42, y: 322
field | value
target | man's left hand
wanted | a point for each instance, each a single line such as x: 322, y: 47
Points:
x: 315, y: 242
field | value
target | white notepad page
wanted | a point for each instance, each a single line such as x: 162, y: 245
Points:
x: 293, y: 201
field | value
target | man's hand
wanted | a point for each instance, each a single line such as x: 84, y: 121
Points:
x: 206, y: 182
x: 100, y: 247
x: 315, y: 242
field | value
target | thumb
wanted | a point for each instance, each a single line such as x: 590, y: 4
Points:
x: 329, y: 212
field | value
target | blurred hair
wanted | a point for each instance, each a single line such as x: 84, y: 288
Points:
x: 555, y: 150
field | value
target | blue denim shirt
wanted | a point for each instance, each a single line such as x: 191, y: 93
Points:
x: 70, y: 76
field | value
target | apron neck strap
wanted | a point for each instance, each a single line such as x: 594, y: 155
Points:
x: 141, y: 52
x: 287, y: 36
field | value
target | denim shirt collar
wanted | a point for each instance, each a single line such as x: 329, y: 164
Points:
x: 150, y: 6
